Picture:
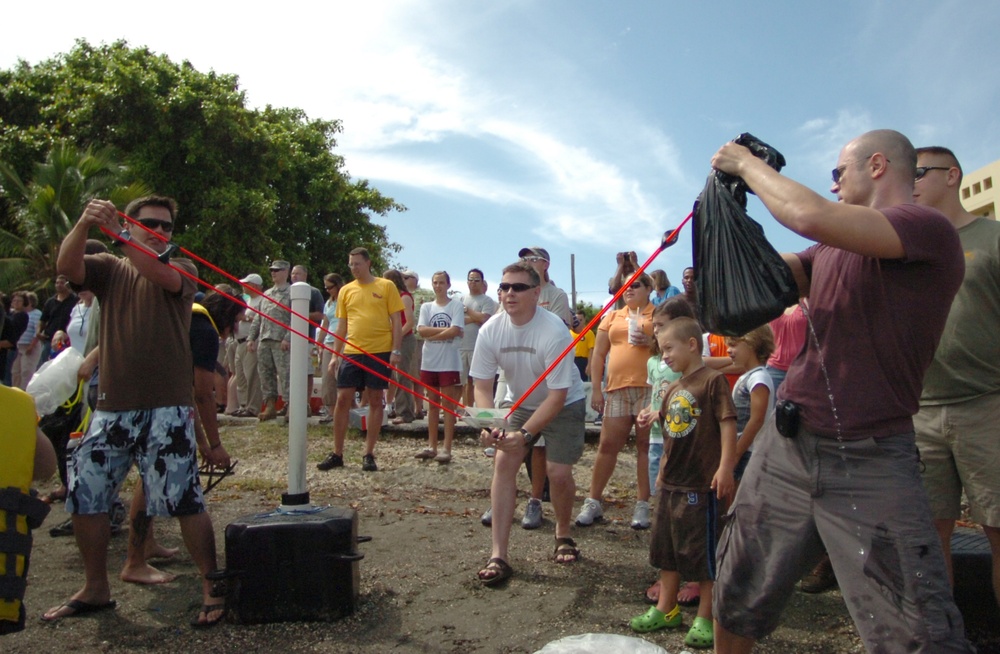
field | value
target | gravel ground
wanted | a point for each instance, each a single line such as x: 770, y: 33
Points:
x: 418, y: 590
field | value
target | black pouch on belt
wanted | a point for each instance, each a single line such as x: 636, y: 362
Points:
x: 786, y: 418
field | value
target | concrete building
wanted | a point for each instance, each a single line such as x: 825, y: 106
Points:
x: 979, y: 194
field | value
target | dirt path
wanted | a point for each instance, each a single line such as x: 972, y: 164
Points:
x: 418, y: 588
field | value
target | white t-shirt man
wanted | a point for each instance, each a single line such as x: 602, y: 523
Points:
x: 524, y: 353
x: 482, y: 303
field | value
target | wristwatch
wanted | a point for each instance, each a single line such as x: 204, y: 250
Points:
x: 529, y: 439
x: 397, y: 353
x: 124, y: 236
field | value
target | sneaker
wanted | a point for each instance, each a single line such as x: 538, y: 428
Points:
x: 640, y: 516
x: 599, y: 420
x: 590, y: 513
x: 425, y: 454
x: 487, y: 518
x: 532, y: 515
x: 368, y: 463
x: 820, y: 579
x: 443, y: 457
x: 490, y: 452
x: 332, y: 461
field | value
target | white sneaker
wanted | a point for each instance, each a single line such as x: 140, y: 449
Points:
x: 487, y: 518
x: 640, y: 516
x: 590, y: 512
x: 532, y: 515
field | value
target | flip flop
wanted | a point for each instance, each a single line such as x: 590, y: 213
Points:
x: 206, y: 609
x: 79, y: 608
x: 689, y: 594
x: 500, y: 567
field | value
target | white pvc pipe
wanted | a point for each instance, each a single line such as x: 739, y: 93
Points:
x: 298, y: 389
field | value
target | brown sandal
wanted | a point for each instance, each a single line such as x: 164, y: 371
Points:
x: 501, y: 572
x: 566, y: 547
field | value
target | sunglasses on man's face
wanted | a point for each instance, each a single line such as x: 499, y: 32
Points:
x: 534, y: 259
x: 923, y: 170
x: 516, y: 287
x: 152, y: 223
x: 635, y: 285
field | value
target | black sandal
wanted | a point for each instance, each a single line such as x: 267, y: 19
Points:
x: 206, y: 609
x: 566, y: 547
x: 500, y: 567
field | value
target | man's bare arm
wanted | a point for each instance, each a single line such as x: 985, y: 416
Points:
x: 860, y: 229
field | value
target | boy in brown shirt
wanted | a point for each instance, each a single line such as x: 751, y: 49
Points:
x: 698, y: 421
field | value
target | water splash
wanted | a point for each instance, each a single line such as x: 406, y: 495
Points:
x: 826, y: 373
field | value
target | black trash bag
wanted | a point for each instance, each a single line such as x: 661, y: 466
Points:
x: 742, y: 281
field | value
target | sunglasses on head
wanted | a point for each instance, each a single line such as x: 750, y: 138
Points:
x: 516, y: 287
x: 152, y: 223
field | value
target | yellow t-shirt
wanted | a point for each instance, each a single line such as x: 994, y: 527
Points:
x: 366, y: 308
x: 586, y: 344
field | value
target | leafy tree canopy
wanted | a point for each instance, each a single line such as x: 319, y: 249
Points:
x: 252, y: 185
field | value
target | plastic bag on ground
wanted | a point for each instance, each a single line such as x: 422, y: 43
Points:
x: 742, y: 280
x: 601, y: 644
x: 55, y: 381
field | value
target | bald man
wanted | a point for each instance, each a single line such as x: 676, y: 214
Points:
x: 844, y: 474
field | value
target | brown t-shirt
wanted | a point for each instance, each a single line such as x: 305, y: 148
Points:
x: 145, y: 336
x: 692, y: 439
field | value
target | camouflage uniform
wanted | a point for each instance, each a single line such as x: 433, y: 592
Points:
x: 272, y: 361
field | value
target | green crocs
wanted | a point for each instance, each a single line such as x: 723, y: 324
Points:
x: 701, y: 634
x: 654, y: 619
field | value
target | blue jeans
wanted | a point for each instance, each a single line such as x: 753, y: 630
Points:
x: 655, y: 453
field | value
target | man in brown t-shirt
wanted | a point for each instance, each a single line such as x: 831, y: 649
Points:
x: 144, y: 407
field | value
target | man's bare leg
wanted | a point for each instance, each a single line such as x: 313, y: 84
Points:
x: 341, y: 415
x: 562, y: 491
x: 503, y: 493
x: 376, y: 407
x: 993, y: 534
x: 140, y: 541
x: 539, y: 471
x: 199, y: 538
x: 93, y: 532
x: 944, y: 529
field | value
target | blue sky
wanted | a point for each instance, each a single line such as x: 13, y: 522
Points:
x: 585, y: 127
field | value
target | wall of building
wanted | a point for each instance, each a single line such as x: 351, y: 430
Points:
x: 980, y: 190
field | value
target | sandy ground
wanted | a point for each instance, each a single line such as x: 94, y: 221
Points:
x: 418, y: 586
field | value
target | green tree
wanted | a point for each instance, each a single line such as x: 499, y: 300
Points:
x: 48, y: 205
x: 252, y: 185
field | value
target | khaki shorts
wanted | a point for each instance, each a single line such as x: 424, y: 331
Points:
x: 563, y: 435
x: 627, y: 402
x: 960, y: 448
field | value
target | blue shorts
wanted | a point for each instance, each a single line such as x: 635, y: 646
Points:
x: 162, y: 444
